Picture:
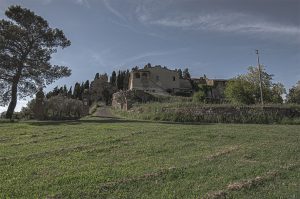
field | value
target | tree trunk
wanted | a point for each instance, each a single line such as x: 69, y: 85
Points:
x: 13, y: 101
x: 14, y: 96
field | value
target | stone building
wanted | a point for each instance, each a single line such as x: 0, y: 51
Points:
x: 159, y: 80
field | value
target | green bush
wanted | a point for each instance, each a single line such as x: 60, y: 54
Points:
x: 199, y: 96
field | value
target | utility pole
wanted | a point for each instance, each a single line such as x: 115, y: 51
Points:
x: 260, y: 79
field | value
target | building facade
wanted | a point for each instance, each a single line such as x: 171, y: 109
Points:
x: 159, y: 80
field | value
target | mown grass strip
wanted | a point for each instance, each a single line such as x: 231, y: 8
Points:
x: 250, y: 183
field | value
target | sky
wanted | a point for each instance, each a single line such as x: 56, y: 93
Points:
x: 217, y: 38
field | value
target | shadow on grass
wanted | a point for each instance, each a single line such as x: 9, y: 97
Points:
x: 106, y: 120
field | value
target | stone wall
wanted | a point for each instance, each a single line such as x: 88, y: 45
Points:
x: 233, y: 114
x: 234, y: 111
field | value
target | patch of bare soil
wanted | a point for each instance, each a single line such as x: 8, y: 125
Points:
x: 103, y: 111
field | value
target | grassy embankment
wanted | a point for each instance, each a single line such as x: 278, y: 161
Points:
x: 213, y: 113
x: 131, y: 159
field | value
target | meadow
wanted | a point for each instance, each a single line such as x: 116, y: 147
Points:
x: 108, y: 158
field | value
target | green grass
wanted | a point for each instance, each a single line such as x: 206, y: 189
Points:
x: 136, y: 159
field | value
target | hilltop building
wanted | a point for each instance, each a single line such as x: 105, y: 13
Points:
x: 159, y: 80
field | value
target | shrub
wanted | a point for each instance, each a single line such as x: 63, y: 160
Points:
x: 199, y: 96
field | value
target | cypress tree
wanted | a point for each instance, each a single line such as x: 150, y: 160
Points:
x: 113, y: 78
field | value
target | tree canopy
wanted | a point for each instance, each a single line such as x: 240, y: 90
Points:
x: 294, y: 94
x: 26, y: 45
x: 245, y: 88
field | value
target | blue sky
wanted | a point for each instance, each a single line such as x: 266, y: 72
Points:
x: 213, y: 37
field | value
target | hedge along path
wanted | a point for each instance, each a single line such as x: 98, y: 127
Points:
x: 250, y: 183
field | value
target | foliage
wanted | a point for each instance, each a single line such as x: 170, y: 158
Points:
x: 238, y: 90
x: 245, y: 89
x: 56, y: 107
x: 179, y: 71
x: 122, y: 80
x: 60, y: 107
x: 186, y: 74
x: 277, y: 90
x: 294, y: 94
x: 113, y: 78
x: 199, y: 96
x: 97, y: 76
x: 27, y: 43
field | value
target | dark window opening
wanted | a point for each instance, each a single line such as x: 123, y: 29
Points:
x: 144, y: 75
x: 174, y: 79
x: 137, y: 75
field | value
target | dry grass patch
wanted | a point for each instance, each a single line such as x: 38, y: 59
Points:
x: 147, y: 176
x: 216, y: 195
x: 250, y: 183
x: 222, y: 152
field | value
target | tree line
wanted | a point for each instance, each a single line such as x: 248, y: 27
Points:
x: 119, y: 79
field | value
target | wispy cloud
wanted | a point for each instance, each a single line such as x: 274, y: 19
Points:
x: 228, y: 23
x: 237, y: 23
x: 100, y: 58
x: 152, y: 54
x: 114, y: 11
x: 83, y: 3
x: 47, y: 1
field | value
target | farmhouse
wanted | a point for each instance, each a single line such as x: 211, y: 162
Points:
x: 159, y: 80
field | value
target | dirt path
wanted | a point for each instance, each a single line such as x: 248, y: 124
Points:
x: 103, y: 111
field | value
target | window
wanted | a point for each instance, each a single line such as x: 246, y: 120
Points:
x: 137, y: 75
x: 157, y: 78
x: 144, y: 75
x: 174, y: 78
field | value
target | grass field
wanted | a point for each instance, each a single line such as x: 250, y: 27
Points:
x: 135, y: 159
